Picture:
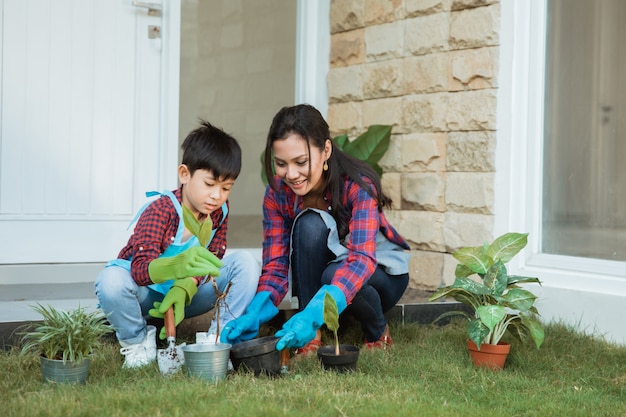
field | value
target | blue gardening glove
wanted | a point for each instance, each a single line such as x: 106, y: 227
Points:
x: 193, y: 262
x: 246, y: 327
x: 301, y: 328
x: 179, y: 296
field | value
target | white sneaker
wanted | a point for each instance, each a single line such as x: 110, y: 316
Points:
x: 140, y: 354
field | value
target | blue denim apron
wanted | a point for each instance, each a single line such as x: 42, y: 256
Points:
x: 390, y: 256
x: 177, y: 246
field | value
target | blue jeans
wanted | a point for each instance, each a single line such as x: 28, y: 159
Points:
x: 126, y: 304
x: 311, y: 267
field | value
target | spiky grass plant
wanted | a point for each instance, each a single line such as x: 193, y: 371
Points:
x: 65, y: 335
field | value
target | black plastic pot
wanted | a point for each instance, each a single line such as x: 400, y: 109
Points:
x: 257, y: 355
x: 344, y: 362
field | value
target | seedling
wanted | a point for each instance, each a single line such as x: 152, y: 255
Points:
x: 331, y: 318
x: 203, y: 231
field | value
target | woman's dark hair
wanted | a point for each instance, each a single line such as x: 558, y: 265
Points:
x: 208, y: 147
x: 307, y: 122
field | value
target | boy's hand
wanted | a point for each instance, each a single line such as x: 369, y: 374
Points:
x: 179, y: 296
x: 193, y: 262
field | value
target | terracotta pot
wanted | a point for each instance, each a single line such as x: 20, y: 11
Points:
x: 344, y: 362
x: 489, y: 356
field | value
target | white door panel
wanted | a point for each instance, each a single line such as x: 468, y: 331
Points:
x: 80, y: 127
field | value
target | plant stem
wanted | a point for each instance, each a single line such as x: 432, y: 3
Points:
x: 220, y: 298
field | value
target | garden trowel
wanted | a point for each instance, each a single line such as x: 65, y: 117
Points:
x: 171, y: 359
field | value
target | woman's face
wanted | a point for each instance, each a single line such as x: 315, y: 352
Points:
x: 300, y: 170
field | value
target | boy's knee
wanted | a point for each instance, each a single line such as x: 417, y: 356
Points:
x: 247, y: 262
x: 111, y: 281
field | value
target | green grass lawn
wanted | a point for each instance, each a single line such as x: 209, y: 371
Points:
x: 427, y: 373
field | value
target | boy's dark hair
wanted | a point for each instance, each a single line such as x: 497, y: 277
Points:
x: 208, y: 147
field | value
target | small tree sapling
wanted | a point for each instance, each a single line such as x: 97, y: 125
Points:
x: 203, y: 231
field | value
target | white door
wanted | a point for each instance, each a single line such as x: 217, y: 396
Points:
x: 88, y: 122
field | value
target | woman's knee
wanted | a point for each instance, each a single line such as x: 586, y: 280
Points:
x: 310, y: 230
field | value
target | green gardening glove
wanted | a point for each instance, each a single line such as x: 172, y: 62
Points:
x: 179, y: 296
x: 193, y: 262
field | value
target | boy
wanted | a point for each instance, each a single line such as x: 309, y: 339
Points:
x: 163, y: 264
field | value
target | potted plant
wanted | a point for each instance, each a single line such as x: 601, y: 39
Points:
x: 496, y: 299
x: 207, y: 360
x: 65, y: 342
x: 336, y: 357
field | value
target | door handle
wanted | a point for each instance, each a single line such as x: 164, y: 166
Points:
x: 154, y: 9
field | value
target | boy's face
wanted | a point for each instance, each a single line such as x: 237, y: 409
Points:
x: 202, y: 192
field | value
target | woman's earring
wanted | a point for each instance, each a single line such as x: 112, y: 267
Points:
x: 325, y: 167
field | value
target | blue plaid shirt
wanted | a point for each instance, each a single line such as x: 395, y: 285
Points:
x: 281, y: 207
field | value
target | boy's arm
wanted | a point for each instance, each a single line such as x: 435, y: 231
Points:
x: 153, y: 233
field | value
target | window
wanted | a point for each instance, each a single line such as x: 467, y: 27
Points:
x: 559, y: 59
x: 584, y: 134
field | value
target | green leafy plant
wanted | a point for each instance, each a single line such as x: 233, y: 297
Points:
x: 331, y: 318
x: 69, y: 336
x: 369, y: 146
x: 497, y: 300
x: 203, y: 230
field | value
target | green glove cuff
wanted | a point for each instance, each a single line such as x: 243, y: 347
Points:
x: 193, y: 262
x: 162, y: 269
x: 189, y: 286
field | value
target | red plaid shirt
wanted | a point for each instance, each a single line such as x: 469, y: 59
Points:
x: 281, y: 207
x: 155, y: 231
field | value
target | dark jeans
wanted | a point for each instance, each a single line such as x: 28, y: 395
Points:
x: 310, y: 269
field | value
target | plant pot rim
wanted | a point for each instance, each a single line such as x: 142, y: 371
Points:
x: 488, y: 346
x: 254, y: 347
x: 85, y: 357
x: 205, y: 347
x: 329, y: 350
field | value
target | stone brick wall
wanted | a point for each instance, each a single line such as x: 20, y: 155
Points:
x: 429, y: 68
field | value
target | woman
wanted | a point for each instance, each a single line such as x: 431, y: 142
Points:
x: 323, y: 223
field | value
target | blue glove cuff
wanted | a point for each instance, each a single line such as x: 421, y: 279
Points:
x: 262, y: 306
x: 334, y: 292
x: 300, y: 329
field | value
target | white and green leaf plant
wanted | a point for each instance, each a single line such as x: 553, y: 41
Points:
x: 497, y: 299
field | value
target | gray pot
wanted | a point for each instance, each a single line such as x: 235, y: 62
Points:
x: 207, y: 360
x: 54, y: 370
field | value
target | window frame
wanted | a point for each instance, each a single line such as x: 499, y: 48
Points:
x: 519, y: 156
